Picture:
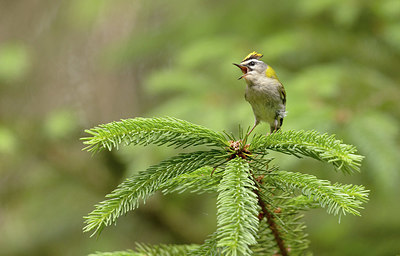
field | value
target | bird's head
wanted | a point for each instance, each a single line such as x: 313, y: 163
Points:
x: 252, y: 66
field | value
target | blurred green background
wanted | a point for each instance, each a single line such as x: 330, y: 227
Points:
x: 69, y: 65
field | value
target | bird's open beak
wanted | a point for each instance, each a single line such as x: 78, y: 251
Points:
x: 243, y: 68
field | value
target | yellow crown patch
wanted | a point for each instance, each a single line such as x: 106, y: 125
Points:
x: 253, y: 55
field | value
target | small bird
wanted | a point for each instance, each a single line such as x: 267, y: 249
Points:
x: 264, y: 91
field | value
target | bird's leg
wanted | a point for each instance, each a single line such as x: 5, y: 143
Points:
x: 274, y: 127
x: 255, y: 124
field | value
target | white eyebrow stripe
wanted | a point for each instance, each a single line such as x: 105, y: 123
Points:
x: 250, y: 60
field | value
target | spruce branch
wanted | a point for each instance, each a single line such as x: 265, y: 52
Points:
x: 139, y: 187
x: 152, y: 250
x: 237, y: 222
x: 117, y: 253
x: 337, y: 198
x: 242, y: 176
x: 208, y: 248
x: 271, y: 224
x: 199, y: 181
x: 290, y: 222
x: 302, y: 202
x: 322, y: 147
x: 164, y: 249
x: 283, y: 225
x: 145, y: 131
x: 266, y: 244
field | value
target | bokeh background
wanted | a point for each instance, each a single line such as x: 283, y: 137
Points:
x: 66, y: 66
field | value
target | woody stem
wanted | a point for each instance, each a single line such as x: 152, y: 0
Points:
x: 272, y: 225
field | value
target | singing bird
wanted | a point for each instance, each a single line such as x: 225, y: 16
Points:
x: 264, y: 91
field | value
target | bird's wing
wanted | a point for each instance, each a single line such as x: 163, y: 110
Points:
x: 282, y: 93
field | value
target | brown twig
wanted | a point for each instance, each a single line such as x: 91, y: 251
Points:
x: 271, y: 223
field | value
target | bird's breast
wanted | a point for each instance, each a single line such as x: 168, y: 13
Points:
x: 265, y: 101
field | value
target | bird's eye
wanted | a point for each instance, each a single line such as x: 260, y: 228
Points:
x: 252, y: 63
